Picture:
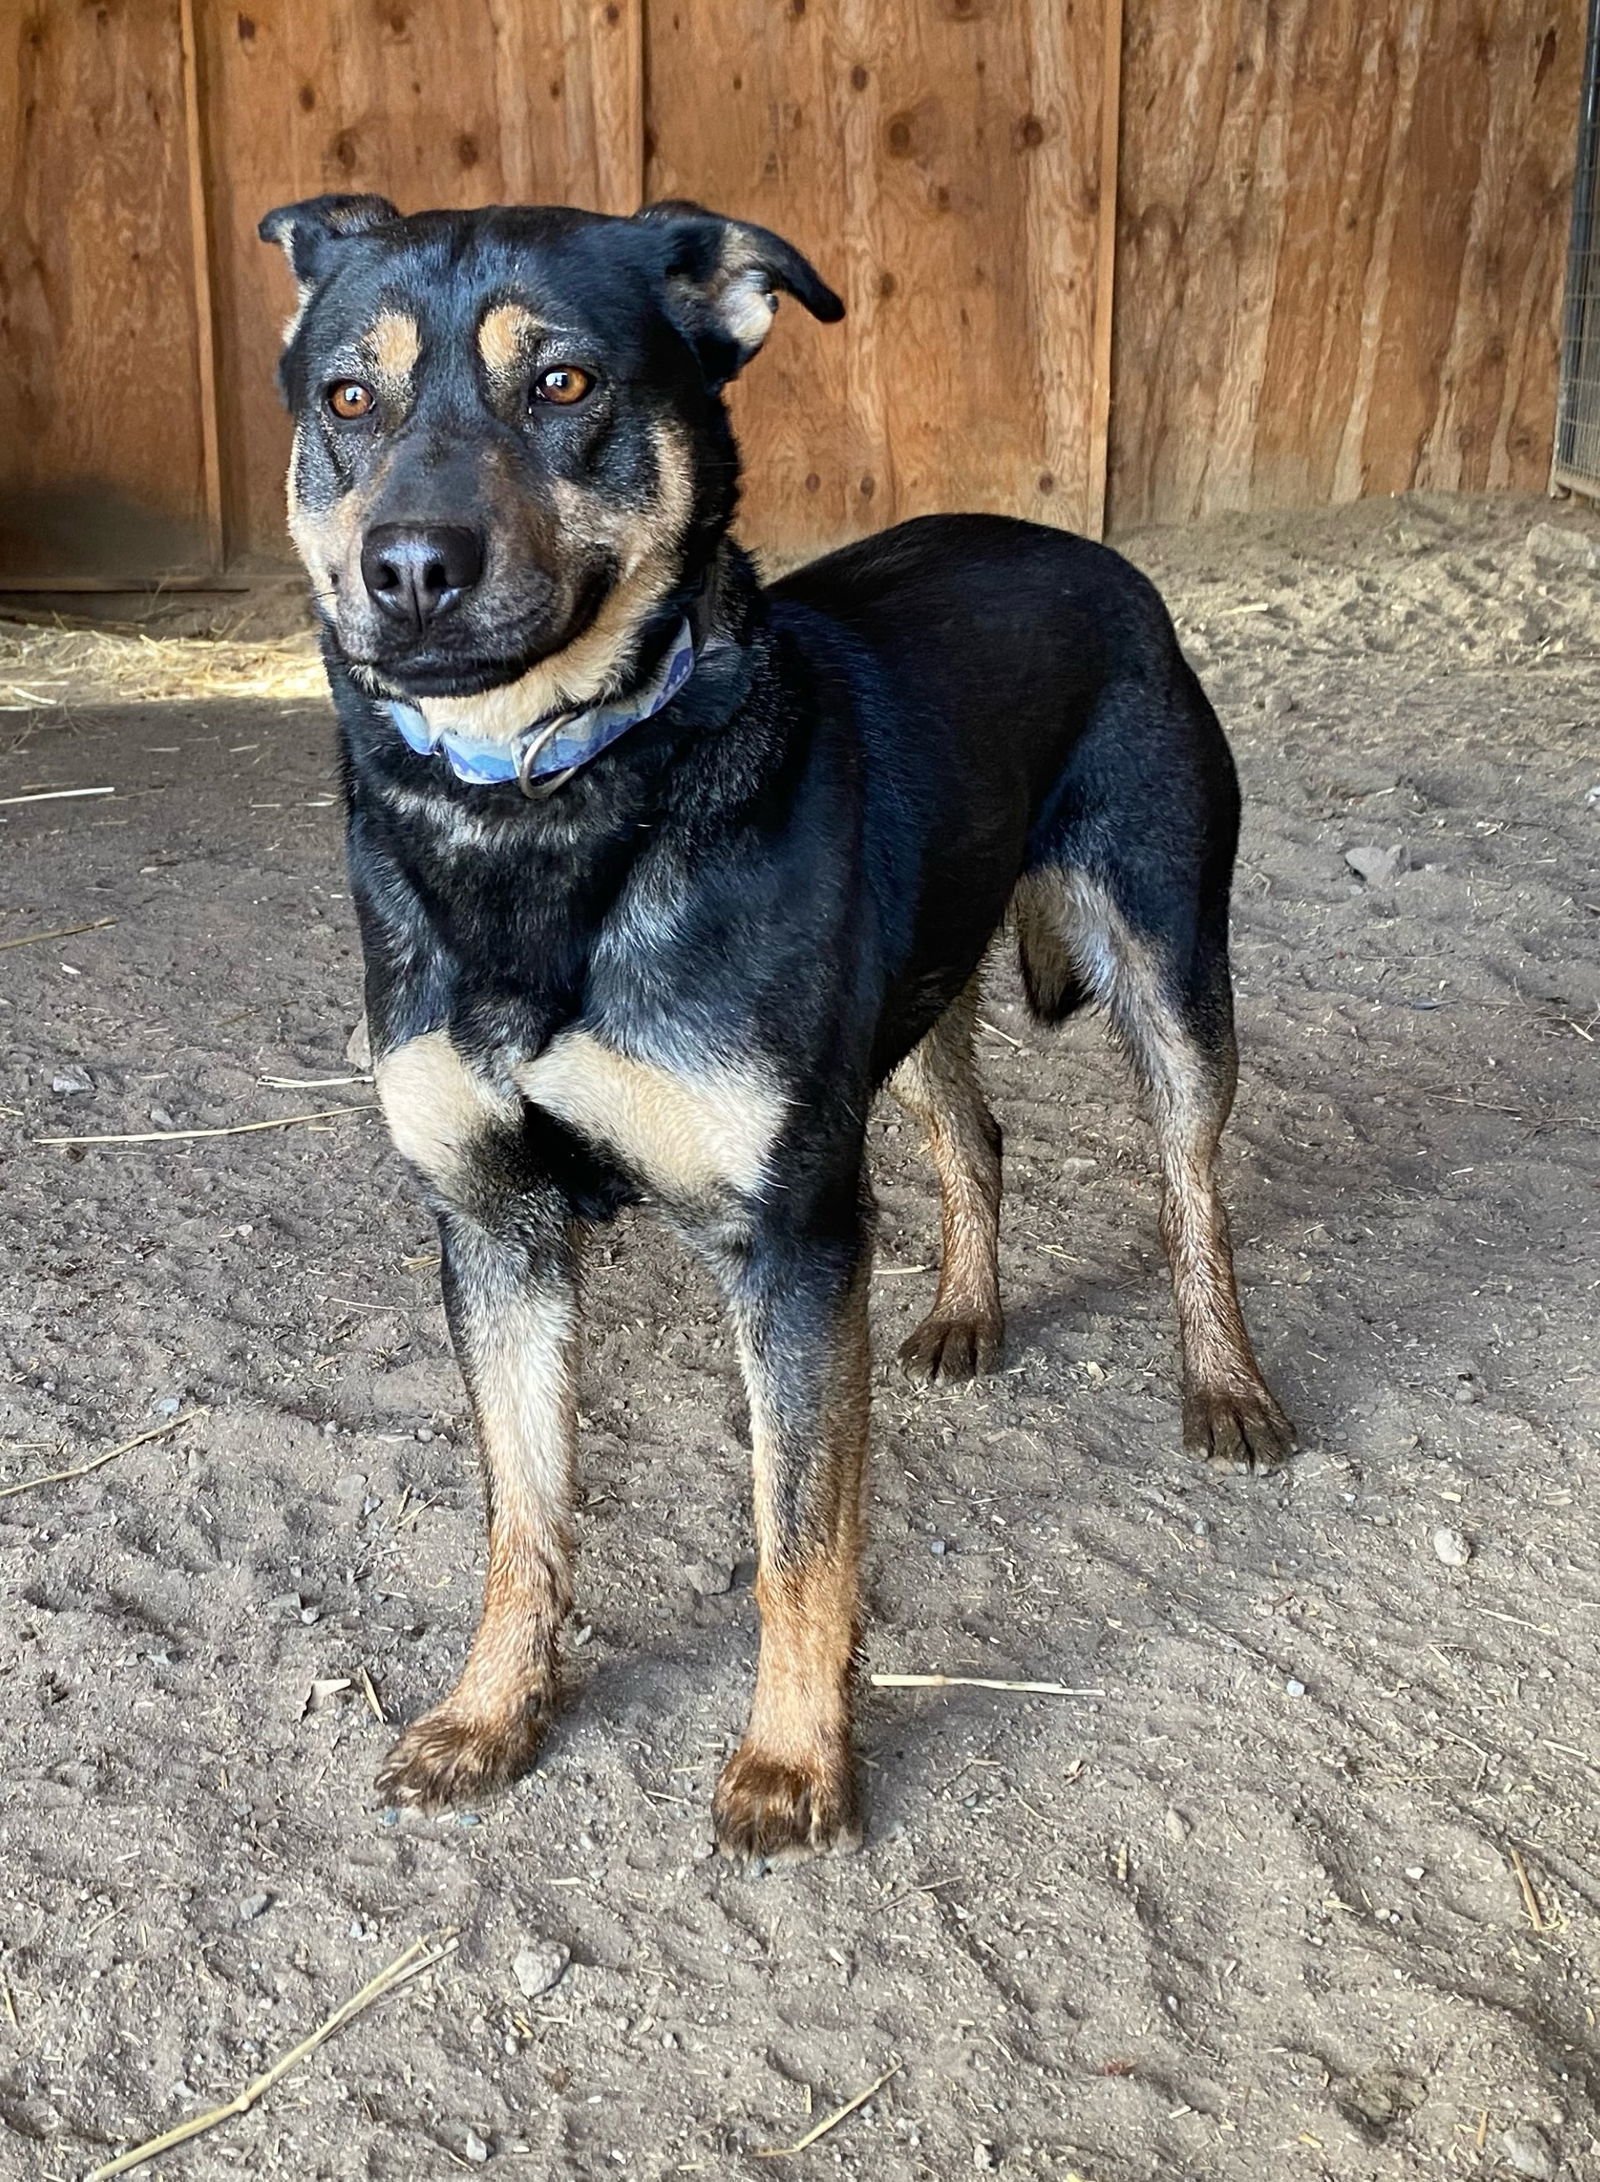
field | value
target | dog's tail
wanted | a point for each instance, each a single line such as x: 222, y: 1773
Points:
x: 1051, y: 977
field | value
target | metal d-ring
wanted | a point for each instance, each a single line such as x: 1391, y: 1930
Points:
x: 537, y: 791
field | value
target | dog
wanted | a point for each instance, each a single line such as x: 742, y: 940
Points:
x: 662, y: 875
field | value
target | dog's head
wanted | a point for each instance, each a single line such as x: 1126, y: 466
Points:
x: 511, y: 453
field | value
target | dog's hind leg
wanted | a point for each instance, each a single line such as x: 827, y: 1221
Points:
x: 938, y: 1083
x: 1171, y: 1005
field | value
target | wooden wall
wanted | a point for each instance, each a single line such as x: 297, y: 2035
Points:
x: 1340, y: 249
x: 942, y: 165
x: 102, y: 458
x: 1336, y: 240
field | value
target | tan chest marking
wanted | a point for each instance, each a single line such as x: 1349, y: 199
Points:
x: 437, y: 1108
x: 689, y: 1137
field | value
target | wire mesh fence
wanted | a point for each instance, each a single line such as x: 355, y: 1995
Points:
x: 1577, y: 457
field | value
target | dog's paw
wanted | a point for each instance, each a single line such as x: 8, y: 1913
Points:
x: 768, y: 1809
x: 1236, y: 1429
x: 952, y: 1347
x: 454, y: 1756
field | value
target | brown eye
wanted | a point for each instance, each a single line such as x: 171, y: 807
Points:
x: 563, y: 384
x: 350, y: 399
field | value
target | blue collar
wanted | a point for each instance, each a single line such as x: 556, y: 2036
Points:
x: 548, y: 752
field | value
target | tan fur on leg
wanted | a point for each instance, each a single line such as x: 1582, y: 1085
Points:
x: 938, y: 1083
x: 1229, y: 1414
x: 516, y: 1345
x: 790, y: 1786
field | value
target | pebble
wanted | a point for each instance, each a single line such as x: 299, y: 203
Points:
x: 1465, y: 1391
x: 476, y: 2149
x: 358, y: 1047
x: 1415, y: 1872
x: 1550, y: 543
x: 1294, y: 1688
x: 254, y: 1905
x: 1377, y: 867
x: 937, y: 1546
x: 539, y: 1966
x: 1526, y: 2151
x: 71, y: 1083
x: 161, y: 1118
x: 1452, y: 1547
x: 984, y: 2158
x: 1178, y: 1827
x: 712, y: 1579
x: 168, y: 1406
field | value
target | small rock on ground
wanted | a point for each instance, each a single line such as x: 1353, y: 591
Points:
x: 539, y: 1966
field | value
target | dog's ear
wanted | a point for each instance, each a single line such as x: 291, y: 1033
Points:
x: 306, y: 233
x: 722, y: 278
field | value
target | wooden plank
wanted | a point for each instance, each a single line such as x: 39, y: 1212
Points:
x: 102, y: 464
x: 1100, y: 386
x: 1340, y: 249
x: 534, y: 101
x: 942, y: 168
x: 205, y: 321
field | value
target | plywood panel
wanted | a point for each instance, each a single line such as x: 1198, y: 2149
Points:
x: 941, y: 165
x: 101, y: 457
x: 532, y: 101
x: 1340, y: 246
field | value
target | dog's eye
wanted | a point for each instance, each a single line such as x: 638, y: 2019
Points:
x: 350, y: 399
x: 563, y: 384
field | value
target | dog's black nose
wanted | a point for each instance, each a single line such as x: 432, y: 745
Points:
x: 413, y: 571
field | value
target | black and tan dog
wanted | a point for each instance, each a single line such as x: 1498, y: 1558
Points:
x: 662, y: 876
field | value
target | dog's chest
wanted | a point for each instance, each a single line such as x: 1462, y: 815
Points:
x: 689, y: 1134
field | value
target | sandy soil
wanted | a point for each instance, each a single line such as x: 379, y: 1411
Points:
x: 1308, y: 1890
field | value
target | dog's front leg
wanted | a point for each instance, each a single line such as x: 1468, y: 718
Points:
x: 799, y: 1307
x: 512, y: 1307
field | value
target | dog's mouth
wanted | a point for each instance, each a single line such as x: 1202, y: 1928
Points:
x: 454, y: 661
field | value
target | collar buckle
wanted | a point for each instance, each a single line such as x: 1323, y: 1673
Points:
x: 540, y: 789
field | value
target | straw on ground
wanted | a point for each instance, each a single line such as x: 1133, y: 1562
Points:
x: 97, y: 1462
x: 237, y: 1128
x: 66, y: 931
x: 814, y: 2136
x: 420, y: 1956
x: 975, y: 1682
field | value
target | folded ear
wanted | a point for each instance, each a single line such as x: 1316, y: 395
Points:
x: 722, y: 278
x: 306, y: 232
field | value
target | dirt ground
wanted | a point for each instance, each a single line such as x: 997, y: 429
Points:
x: 1307, y: 1887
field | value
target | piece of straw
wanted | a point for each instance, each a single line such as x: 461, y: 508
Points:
x: 56, y: 795
x: 96, y: 1462
x: 1530, y: 1900
x: 421, y: 1955
x: 814, y: 2136
x: 310, y: 1083
x: 67, y: 931
x: 238, y: 1128
x: 975, y: 1682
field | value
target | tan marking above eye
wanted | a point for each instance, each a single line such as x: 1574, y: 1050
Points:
x: 349, y: 399
x: 562, y: 384
x: 505, y: 335
x: 394, y: 343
